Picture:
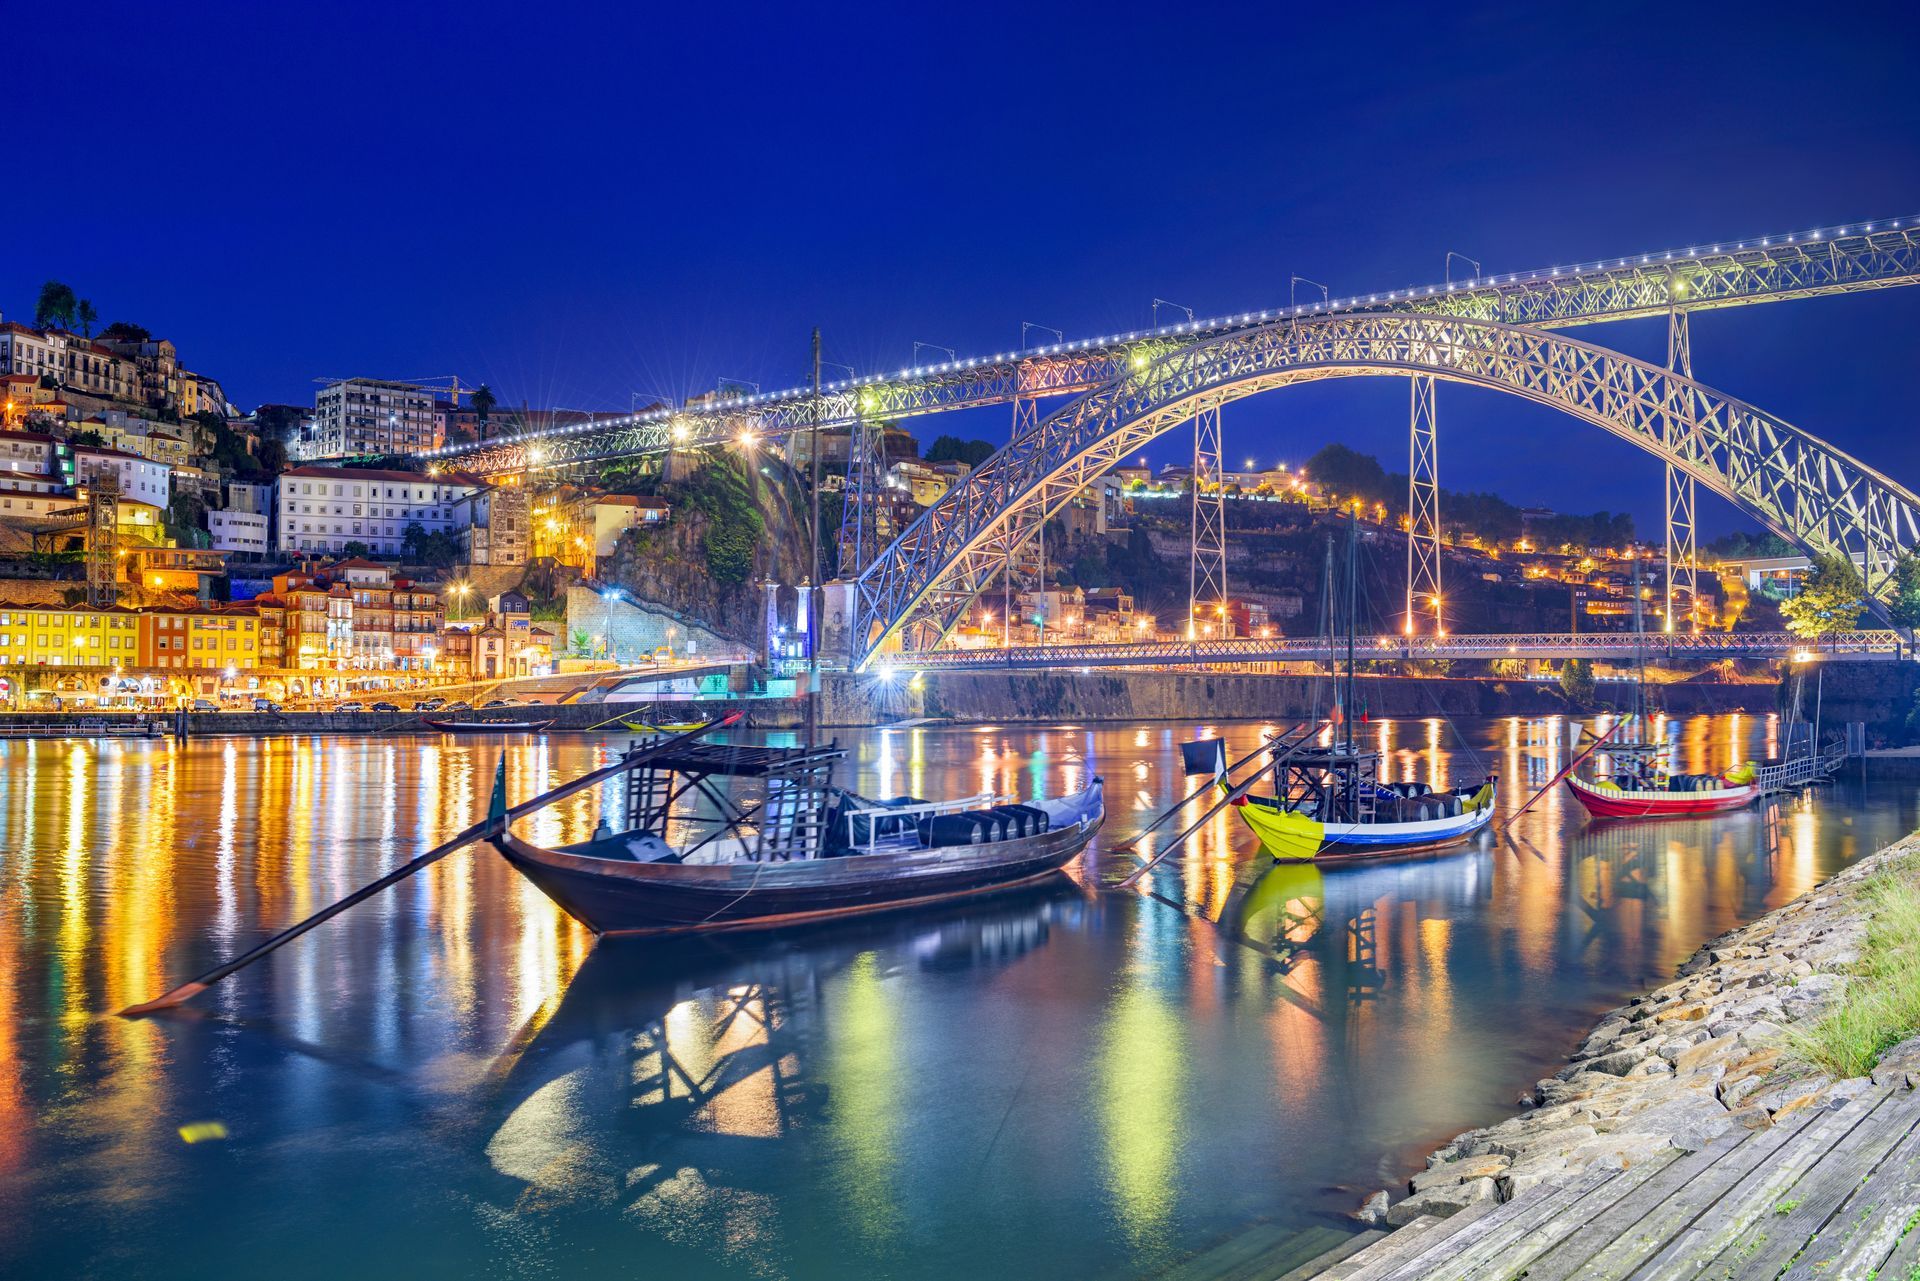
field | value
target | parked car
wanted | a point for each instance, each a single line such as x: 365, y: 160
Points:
x: 386, y: 707
x: 429, y: 704
x: 205, y: 705
x: 349, y: 707
x: 265, y: 705
x: 662, y: 654
x: 501, y: 702
x: 462, y: 706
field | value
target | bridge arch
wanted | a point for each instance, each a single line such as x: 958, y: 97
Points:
x: 1815, y: 496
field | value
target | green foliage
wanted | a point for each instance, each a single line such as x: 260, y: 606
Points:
x: 580, y: 641
x: 356, y: 548
x: 1882, y: 1005
x: 1904, y: 608
x: 125, y: 331
x: 1349, y: 472
x: 86, y: 439
x: 483, y: 403
x: 1576, y: 681
x: 946, y: 449
x: 721, y: 491
x: 1829, y: 601
x: 1602, y: 529
x: 1741, y: 545
x: 58, y: 305
x: 84, y: 315
x: 438, y: 548
x: 186, y: 520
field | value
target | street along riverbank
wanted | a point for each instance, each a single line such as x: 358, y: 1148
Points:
x: 1696, y: 1123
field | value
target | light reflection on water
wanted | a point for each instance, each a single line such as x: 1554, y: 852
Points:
x: 1057, y: 1082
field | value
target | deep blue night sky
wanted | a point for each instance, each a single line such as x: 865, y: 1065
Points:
x: 577, y: 202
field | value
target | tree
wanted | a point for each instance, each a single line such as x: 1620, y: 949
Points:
x: 84, y: 313
x: 580, y: 642
x: 356, y: 548
x: 952, y: 449
x: 1829, y: 601
x: 1576, y: 680
x: 1904, y: 608
x: 86, y: 439
x: 124, y: 331
x: 419, y: 547
x: 1341, y: 470
x: 483, y: 403
x: 57, y: 306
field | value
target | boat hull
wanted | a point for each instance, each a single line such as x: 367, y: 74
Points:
x: 1616, y: 804
x: 1301, y: 838
x: 487, y: 727
x: 615, y: 897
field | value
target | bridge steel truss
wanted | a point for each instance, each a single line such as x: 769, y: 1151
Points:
x: 1207, y: 566
x: 1808, y: 492
x: 1424, y: 551
x: 1621, y: 647
x: 1807, y: 264
x: 1682, y: 579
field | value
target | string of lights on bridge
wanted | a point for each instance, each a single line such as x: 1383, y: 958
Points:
x: 1544, y: 275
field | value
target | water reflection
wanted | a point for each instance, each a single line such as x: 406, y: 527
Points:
x: 1069, y: 1081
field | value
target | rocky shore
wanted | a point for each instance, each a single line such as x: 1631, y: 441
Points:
x: 1679, y: 1066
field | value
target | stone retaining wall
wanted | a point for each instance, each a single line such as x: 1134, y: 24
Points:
x: 1678, y: 1067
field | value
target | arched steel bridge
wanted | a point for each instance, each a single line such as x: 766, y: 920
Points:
x: 1805, y: 264
x: 1817, y: 497
x: 1492, y: 331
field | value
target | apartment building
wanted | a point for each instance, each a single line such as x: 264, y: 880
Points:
x: 322, y: 509
x: 215, y: 637
x: 353, y: 613
x: 370, y: 416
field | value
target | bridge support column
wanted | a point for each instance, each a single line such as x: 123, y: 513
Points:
x: 1682, y: 574
x: 860, y: 533
x: 1207, y: 572
x: 1423, y: 509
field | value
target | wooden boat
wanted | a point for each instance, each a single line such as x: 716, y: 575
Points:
x: 487, y: 727
x: 1704, y: 794
x: 661, y: 727
x: 807, y: 851
x: 1328, y: 807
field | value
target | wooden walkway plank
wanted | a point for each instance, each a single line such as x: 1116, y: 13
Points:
x: 1722, y: 1213
x: 1904, y: 1262
x: 1540, y: 1233
x: 1321, y: 1263
x: 1437, y: 1255
x: 1375, y: 1262
x: 1865, y: 1229
x: 1615, y: 1242
x: 1778, y: 1235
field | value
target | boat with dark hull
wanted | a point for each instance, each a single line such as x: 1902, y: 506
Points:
x: 488, y: 727
x: 805, y: 851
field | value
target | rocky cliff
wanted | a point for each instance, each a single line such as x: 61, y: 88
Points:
x: 733, y: 530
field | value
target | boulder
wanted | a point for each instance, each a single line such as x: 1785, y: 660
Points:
x: 1486, y: 1166
x: 1443, y: 1202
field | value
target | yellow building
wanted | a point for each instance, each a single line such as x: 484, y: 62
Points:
x: 66, y: 636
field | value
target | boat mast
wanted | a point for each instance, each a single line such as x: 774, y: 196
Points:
x: 1353, y: 607
x: 1639, y: 652
x: 813, y: 544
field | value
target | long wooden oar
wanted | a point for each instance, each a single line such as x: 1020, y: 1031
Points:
x: 1233, y: 794
x: 1571, y: 766
x: 495, y: 823
x: 1194, y: 795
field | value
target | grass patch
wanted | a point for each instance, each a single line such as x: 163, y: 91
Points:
x: 1881, y: 1007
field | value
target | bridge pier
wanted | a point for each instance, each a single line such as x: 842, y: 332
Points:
x: 1423, y: 508
x: 1207, y: 570
x: 1682, y: 565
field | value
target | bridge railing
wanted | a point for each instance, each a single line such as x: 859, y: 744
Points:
x: 1609, y: 645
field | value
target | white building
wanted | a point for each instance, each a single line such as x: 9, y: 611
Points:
x: 140, y: 478
x: 322, y: 509
x: 243, y: 497
x: 29, y: 351
x: 370, y: 416
x: 26, y: 456
x: 237, y: 531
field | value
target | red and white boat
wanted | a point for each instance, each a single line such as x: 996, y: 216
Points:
x: 1606, y: 799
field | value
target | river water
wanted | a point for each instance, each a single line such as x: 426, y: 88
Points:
x: 1069, y: 1081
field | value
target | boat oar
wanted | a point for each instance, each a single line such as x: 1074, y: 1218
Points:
x: 1194, y: 795
x: 498, y: 818
x: 1234, y: 793
x: 1571, y: 766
